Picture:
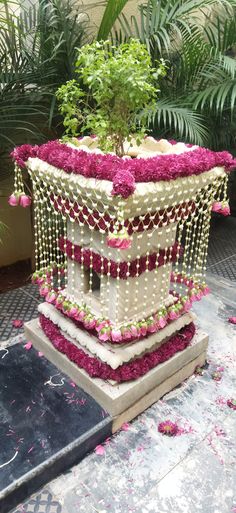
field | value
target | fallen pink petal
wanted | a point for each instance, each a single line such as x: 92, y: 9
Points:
x: 231, y: 403
x: 100, y: 450
x: 125, y: 426
x: 232, y: 320
x: 28, y: 346
x: 17, y: 323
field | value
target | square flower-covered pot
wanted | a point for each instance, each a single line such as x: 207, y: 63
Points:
x: 121, y: 248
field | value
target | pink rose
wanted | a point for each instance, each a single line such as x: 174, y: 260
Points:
x: 134, y: 331
x: 173, y: 315
x: 199, y: 296
x: 143, y: 329
x: 13, y: 200
x: 101, y: 325
x: 81, y: 315
x: 116, y: 335
x: 51, y: 296
x: 187, y: 305
x: 43, y: 291
x: 127, y: 335
x: 73, y: 311
x: 89, y: 323
x: 216, y: 207
x: 25, y: 201
x: 152, y: 328
x: 162, y: 322
x: 232, y: 320
x: 104, y: 335
x: 115, y: 242
x: 225, y: 211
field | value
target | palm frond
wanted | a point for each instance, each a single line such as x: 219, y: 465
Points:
x: 173, y: 117
x: 221, y: 33
x: 111, y: 13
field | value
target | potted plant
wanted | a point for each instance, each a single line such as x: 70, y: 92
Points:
x: 116, y: 88
x: 111, y: 209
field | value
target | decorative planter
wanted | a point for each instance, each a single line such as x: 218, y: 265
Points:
x: 121, y: 249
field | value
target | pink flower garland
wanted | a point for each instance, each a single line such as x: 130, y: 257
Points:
x: 123, y: 270
x: 126, y: 372
x: 124, y: 173
x: 103, y: 328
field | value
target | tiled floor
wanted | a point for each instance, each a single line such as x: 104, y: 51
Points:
x: 222, y: 248
x: 17, y: 304
x: 140, y: 471
x: 41, y: 503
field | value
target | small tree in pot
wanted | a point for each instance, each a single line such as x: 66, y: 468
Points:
x: 116, y: 88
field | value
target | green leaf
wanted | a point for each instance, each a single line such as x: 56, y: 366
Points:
x: 111, y: 13
x: 173, y: 117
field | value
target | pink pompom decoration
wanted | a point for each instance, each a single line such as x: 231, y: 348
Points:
x: 13, y: 200
x: 25, y: 201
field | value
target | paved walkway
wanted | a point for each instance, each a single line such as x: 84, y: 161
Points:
x: 139, y: 470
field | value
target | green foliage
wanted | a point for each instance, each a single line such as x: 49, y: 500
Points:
x: 37, y: 54
x: 111, y: 13
x: 122, y: 88
x: 198, y: 40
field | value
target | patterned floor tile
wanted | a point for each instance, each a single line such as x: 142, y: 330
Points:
x: 226, y: 268
x: 43, y: 502
x: 32, y: 290
x: 223, y: 228
x: 15, y: 304
x: 219, y: 250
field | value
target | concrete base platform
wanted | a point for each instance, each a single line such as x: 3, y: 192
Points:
x: 126, y: 400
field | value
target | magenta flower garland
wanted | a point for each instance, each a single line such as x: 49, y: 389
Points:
x: 126, y: 372
x: 121, y: 269
x: 124, y: 173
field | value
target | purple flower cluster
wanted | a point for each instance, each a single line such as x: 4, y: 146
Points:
x: 124, y: 172
x: 123, y: 270
x: 126, y: 372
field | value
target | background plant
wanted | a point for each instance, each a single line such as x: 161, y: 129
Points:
x: 197, y: 98
x: 121, y: 87
x: 37, y: 54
